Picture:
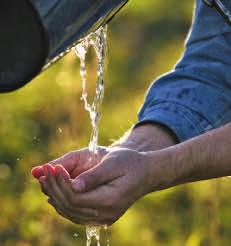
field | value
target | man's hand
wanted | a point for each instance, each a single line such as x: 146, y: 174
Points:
x: 102, y: 194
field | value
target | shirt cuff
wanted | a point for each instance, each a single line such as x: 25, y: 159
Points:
x: 182, y: 121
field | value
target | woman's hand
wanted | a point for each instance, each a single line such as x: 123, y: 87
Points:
x: 103, y: 193
x: 119, y: 179
x: 75, y: 162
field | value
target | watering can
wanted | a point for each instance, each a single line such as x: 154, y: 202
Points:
x: 222, y: 6
x: 36, y: 33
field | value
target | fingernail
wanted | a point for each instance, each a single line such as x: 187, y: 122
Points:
x: 45, y: 169
x: 37, y: 172
x: 51, y: 169
x: 78, y: 185
x: 48, y: 170
x: 57, y: 170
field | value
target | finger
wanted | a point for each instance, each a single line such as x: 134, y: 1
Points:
x: 99, y: 198
x: 65, y: 186
x: 77, y: 215
x: 83, y: 215
x: 37, y: 172
x: 54, y: 205
x: 52, y: 187
x: 88, y: 160
x: 103, y: 173
x: 43, y: 184
x: 63, y: 181
x: 59, y: 169
x: 69, y: 161
x: 84, y: 212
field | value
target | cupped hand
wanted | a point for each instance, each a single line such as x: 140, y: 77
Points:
x: 74, y: 162
x: 101, y: 194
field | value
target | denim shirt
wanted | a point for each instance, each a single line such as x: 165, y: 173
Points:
x: 196, y: 95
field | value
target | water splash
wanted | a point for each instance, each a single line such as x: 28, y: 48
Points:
x: 97, y: 40
x: 93, y: 232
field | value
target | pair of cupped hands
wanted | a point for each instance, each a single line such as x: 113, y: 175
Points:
x: 95, y: 189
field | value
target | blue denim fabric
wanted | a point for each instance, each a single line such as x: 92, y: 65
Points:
x: 196, y: 96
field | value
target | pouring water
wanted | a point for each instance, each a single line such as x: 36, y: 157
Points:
x: 97, y: 40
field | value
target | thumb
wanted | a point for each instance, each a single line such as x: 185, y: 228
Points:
x: 103, y: 173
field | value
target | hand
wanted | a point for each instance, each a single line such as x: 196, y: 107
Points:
x: 144, y: 138
x: 102, y: 194
x: 74, y: 162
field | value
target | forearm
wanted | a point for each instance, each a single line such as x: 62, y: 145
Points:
x: 147, y: 137
x: 204, y: 157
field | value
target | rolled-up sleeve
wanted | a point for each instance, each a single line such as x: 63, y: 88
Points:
x: 196, y: 96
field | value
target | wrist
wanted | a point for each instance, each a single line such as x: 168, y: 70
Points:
x: 166, y: 168
x: 172, y: 166
x: 147, y: 137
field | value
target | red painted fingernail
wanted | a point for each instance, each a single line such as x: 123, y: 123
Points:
x: 48, y: 169
x: 45, y: 169
x: 51, y: 169
x: 37, y: 172
x: 57, y: 171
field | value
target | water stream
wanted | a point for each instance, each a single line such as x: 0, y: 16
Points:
x: 97, y: 40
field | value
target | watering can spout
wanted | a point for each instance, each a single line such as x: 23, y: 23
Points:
x: 35, y: 33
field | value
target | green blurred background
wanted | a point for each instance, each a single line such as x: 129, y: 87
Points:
x: 46, y: 118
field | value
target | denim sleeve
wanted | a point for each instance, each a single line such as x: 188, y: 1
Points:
x: 196, y: 96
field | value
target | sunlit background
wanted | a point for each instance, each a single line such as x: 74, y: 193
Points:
x: 46, y: 119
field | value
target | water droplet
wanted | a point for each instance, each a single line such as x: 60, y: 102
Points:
x: 36, y: 140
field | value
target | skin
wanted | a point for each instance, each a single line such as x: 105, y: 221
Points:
x: 105, y: 203
x: 132, y: 169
